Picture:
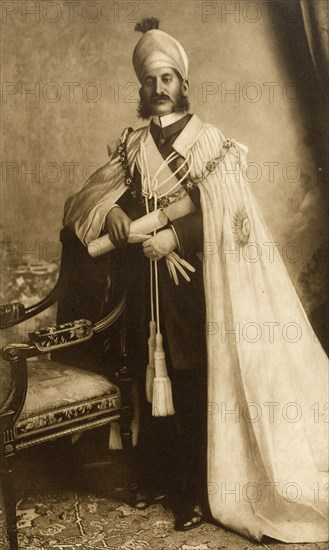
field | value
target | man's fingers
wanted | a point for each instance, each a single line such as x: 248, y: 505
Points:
x: 147, y: 244
x: 117, y: 243
x: 114, y: 236
x: 119, y: 233
x: 124, y: 227
x: 151, y: 254
x: 127, y: 227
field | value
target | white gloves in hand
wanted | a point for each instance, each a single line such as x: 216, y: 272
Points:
x: 160, y: 245
x: 176, y: 263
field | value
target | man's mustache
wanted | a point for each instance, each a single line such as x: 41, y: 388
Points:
x: 158, y: 97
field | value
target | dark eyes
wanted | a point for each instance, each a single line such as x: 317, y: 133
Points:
x: 151, y: 81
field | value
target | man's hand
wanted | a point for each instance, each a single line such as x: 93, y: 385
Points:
x: 160, y: 245
x: 117, y: 224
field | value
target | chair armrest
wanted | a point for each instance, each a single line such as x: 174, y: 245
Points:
x: 52, y: 338
x: 49, y: 339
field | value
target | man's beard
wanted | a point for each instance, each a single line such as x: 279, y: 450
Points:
x: 181, y: 105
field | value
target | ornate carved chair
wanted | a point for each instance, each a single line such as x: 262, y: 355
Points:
x: 69, y: 377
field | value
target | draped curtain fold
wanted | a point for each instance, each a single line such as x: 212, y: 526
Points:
x: 316, y: 24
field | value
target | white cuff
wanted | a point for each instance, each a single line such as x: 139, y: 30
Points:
x: 176, y: 236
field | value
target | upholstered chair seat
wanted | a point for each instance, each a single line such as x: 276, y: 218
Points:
x: 62, y: 394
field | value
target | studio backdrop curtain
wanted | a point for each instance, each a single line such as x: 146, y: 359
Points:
x: 316, y: 24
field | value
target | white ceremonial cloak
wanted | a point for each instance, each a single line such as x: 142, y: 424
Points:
x: 268, y: 378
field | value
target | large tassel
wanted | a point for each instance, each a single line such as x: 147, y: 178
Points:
x: 162, y: 402
x: 161, y: 397
x: 150, y: 367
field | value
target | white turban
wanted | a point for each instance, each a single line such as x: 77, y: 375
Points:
x: 158, y: 49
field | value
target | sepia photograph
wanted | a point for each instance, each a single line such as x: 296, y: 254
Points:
x: 164, y: 296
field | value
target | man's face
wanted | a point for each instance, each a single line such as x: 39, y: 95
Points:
x: 161, y: 90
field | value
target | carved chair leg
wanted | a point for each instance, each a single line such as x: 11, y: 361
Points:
x: 9, y: 499
x: 129, y: 454
x: 125, y: 383
x: 126, y: 433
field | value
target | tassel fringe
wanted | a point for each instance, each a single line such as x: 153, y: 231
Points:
x: 162, y: 403
x: 150, y: 372
x: 158, y: 384
x: 149, y: 382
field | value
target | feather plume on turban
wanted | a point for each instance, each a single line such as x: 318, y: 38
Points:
x: 157, y: 49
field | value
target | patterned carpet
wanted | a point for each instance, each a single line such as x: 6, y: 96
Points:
x: 66, y: 508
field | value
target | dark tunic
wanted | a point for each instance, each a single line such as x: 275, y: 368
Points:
x: 170, y: 449
x: 182, y: 308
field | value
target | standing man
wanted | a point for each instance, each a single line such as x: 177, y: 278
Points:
x: 171, y: 451
x: 205, y: 298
